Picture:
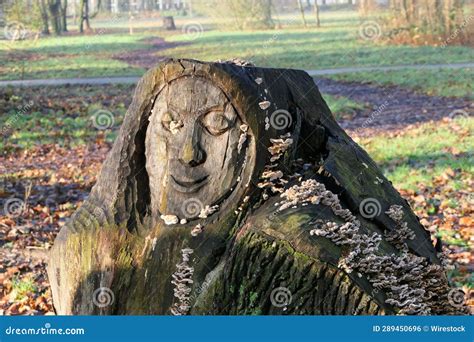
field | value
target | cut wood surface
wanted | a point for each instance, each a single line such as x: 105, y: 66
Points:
x: 231, y: 189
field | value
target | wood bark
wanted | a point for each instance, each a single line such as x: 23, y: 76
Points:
x: 54, y: 7
x: 81, y: 15
x: 44, y: 16
x: 117, y: 244
x: 168, y: 23
x: 85, y: 15
x: 300, y: 6
x: 316, y: 14
x: 63, y: 10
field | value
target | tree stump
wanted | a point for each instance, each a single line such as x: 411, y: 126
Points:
x: 168, y: 23
x: 231, y: 189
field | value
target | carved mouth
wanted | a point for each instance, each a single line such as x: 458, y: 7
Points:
x: 189, y: 187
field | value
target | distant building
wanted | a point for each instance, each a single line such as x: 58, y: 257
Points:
x: 116, y: 6
x: 170, y: 4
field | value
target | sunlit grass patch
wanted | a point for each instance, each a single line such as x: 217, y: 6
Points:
x: 342, y: 107
x: 22, y: 287
x: 335, y: 44
x: 64, y: 129
x: 423, y: 153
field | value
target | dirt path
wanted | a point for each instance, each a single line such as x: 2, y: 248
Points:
x: 392, y: 107
x: 147, y: 58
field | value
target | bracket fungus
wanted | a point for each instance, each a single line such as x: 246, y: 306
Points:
x: 280, y: 205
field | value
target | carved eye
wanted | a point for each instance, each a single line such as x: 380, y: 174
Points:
x: 216, y: 123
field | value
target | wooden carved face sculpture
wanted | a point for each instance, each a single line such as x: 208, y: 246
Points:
x: 193, y: 157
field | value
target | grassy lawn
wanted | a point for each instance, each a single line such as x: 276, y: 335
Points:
x: 323, y: 48
x: 442, y: 82
x: 62, y: 115
x: 69, y: 66
x: 342, y: 107
x: 335, y: 44
x: 70, y: 56
x: 433, y: 167
x: 419, y: 155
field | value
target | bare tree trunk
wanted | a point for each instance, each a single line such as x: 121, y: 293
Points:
x: 316, y: 13
x: 55, y: 16
x: 81, y: 16
x: 44, y: 16
x: 447, y: 17
x: 458, y: 16
x: 439, y: 14
x: 63, y: 9
x: 300, y: 5
x: 267, y: 14
x: 98, y: 7
x: 86, y: 15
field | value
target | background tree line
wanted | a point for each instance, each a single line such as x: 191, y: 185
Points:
x: 50, y: 16
x: 405, y: 21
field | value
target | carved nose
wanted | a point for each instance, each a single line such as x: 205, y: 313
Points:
x: 192, y: 154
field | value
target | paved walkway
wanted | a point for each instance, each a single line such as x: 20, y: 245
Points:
x: 134, y: 79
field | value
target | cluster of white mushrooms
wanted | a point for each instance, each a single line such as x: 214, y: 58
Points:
x: 183, y: 280
x: 411, y: 284
x: 272, y: 178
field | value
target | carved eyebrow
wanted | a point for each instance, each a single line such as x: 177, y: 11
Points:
x: 207, y: 109
x: 201, y: 111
